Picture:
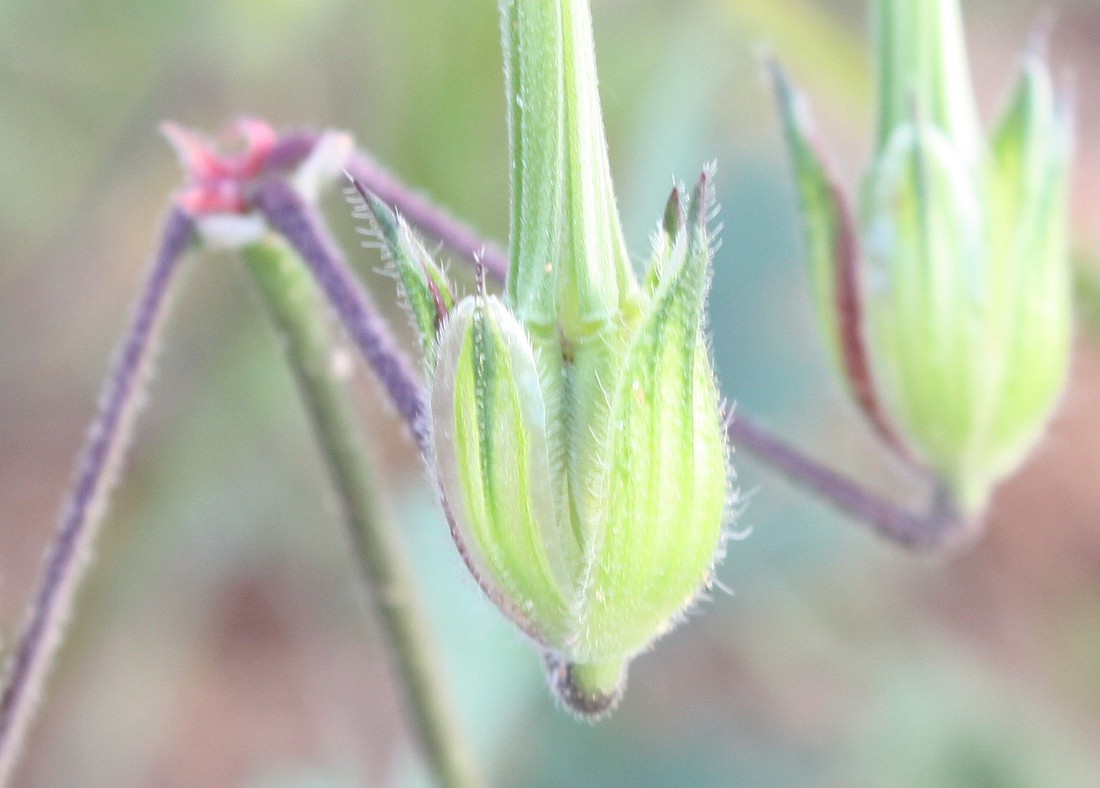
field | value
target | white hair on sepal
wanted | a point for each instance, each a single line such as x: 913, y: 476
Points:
x: 360, y: 211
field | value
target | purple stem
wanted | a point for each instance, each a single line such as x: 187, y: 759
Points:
x: 103, y: 453
x: 940, y: 526
x: 291, y: 151
x: 300, y: 224
x: 429, y: 218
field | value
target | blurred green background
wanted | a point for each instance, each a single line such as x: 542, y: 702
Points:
x: 222, y: 638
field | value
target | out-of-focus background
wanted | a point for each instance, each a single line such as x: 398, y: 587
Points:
x: 222, y: 637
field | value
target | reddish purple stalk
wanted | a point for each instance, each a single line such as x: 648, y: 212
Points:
x: 103, y: 454
x: 940, y: 526
x: 304, y: 229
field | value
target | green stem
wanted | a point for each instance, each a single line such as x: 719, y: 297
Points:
x: 295, y: 306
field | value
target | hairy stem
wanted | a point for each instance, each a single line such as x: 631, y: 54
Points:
x: 296, y: 309
x: 940, y: 526
x: 303, y: 228
x: 103, y: 454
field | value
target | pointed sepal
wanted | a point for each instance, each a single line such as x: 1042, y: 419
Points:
x: 669, y: 230
x: 668, y: 470
x: 425, y: 287
x: 922, y: 63
x: 1030, y: 148
x: 833, y: 249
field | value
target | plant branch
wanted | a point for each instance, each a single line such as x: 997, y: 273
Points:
x: 300, y: 224
x: 103, y: 454
x: 937, y: 528
x: 296, y: 309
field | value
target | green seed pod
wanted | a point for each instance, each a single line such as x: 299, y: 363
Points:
x: 949, y: 309
x: 591, y: 519
x: 576, y: 430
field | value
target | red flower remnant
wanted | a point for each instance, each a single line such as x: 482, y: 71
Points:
x: 217, y: 182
